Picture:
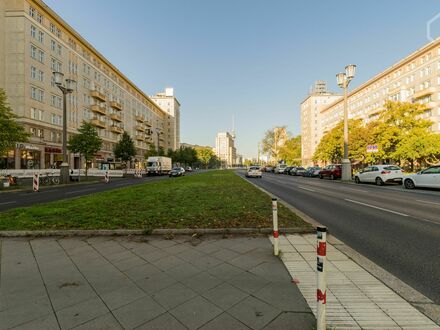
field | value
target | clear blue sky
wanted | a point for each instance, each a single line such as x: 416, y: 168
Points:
x: 254, y: 59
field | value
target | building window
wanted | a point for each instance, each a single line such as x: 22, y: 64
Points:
x: 40, y: 36
x: 37, y: 94
x: 40, y: 56
x: 53, y: 45
x: 39, y: 18
x: 36, y: 114
x: 56, y: 119
x: 56, y: 101
x: 33, y: 72
x: 31, y: 11
x: 33, y: 31
x: 33, y: 52
x: 59, y: 49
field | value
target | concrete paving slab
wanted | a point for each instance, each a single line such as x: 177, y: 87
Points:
x: 224, y: 321
x: 163, y: 322
x: 196, y: 312
x: 138, y: 312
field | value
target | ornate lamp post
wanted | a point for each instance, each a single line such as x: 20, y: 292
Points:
x: 343, y: 79
x: 67, y: 87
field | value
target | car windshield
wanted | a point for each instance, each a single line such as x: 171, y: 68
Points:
x: 392, y: 168
x: 176, y: 169
x: 254, y: 168
x: 151, y: 163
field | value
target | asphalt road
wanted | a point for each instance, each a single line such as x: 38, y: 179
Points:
x: 396, y: 228
x: 13, y: 199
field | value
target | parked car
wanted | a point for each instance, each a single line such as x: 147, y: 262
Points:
x: 428, y: 178
x: 287, y: 169
x: 280, y: 169
x: 269, y: 169
x: 292, y: 170
x: 299, y: 171
x: 312, y: 171
x: 177, y: 171
x: 188, y: 169
x: 380, y: 174
x: 254, y: 172
x: 333, y: 172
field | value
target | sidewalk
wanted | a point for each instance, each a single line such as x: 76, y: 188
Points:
x: 122, y: 283
x: 355, y: 298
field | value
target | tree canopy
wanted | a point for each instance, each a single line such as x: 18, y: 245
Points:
x: 125, y: 149
x: 11, y: 131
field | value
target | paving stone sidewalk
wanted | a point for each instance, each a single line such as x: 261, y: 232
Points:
x: 355, y: 298
x: 121, y: 283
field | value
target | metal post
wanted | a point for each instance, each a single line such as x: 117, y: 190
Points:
x: 321, y: 291
x: 64, y: 168
x: 36, y: 182
x: 346, y: 164
x: 276, y: 248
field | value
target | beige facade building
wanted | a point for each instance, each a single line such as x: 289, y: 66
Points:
x: 34, y: 42
x: 168, y: 102
x: 225, y: 148
x: 311, y: 129
x: 415, y: 79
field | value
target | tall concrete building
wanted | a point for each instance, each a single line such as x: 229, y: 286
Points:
x: 225, y: 148
x: 34, y: 42
x: 168, y: 102
x: 311, y: 130
x: 416, y: 79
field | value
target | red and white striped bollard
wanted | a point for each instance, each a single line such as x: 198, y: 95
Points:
x: 321, y: 291
x: 276, y: 248
x: 106, y: 177
x: 36, y: 182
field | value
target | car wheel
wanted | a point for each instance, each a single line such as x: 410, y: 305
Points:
x: 357, y: 180
x: 409, y: 184
x: 321, y: 177
x: 379, y: 181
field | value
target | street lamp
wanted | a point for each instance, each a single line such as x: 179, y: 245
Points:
x: 343, y: 79
x: 66, y: 87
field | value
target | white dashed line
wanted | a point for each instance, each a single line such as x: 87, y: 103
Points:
x: 418, y: 200
x: 376, y: 207
x: 5, y: 203
x: 304, y: 188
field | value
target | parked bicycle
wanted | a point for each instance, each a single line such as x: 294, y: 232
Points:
x: 49, y: 179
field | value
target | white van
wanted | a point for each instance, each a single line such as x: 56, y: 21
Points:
x: 280, y: 169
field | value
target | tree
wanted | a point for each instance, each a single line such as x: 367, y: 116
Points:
x: 11, y: 131
x: 125, y: 149
x: 273, y: 140
x: 205, y: 155
x: 151, y: 150
x: 290, y: 151
x: 87, y: 142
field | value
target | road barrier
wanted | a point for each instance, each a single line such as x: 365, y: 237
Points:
x: 276, y: 248
x: 106, y: 177
x: 321, y: 291
x: 36, y: 182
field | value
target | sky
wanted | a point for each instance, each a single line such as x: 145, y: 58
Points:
x: 252, y: 59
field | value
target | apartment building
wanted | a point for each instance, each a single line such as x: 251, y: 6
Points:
x: 225, y: 149
x: 311, y: 130
x: 169, y: 103
x: 415, y: 79
x: 34, y: 42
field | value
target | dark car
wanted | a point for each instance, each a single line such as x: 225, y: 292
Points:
x: 312, y: 171
x: 287, y: 170
x: 333, y: 172
x: 177, y: 171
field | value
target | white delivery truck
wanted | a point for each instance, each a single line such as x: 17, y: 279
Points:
x: 158, y: 165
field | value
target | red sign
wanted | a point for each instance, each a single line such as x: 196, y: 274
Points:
x: 53, y: 150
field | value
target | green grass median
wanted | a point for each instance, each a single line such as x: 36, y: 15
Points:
x: 215, y: 199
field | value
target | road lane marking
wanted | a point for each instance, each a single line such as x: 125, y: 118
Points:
x: 418, y: 200
x: 376, y: 207
x: 78, y: 191
x: 31, y: 193
x: 5, y: 203
x: 304, y: 188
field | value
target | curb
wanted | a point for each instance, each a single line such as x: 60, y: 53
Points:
x: 138, y: 232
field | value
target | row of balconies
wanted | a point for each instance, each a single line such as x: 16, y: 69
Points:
x: 101, y: 97
x: 119, y: 130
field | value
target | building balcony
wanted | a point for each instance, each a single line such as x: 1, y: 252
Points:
x: 140, y: 137
x: 430, y: 105
x: 139, y: 128
x: 116, y: 117
x: 98, y: 95
x: 98, y: 109
x: 116, y: 105
x: 148, y: 123
x: 140, y: 119
x: 423, y: 92
x: 116, y: 129
x: 98, y: 123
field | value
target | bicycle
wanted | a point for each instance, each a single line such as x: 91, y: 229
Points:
x: 49, y: 179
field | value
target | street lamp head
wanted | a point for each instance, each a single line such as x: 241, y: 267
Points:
x: 340, y: 79
x: 70, y: 85
x: 350, y: 71
x: 58, y: 77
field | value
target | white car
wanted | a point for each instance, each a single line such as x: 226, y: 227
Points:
x: 254, y: 172
x: 380, y: 174
x: 429, y: 178
x: 280, y: 169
